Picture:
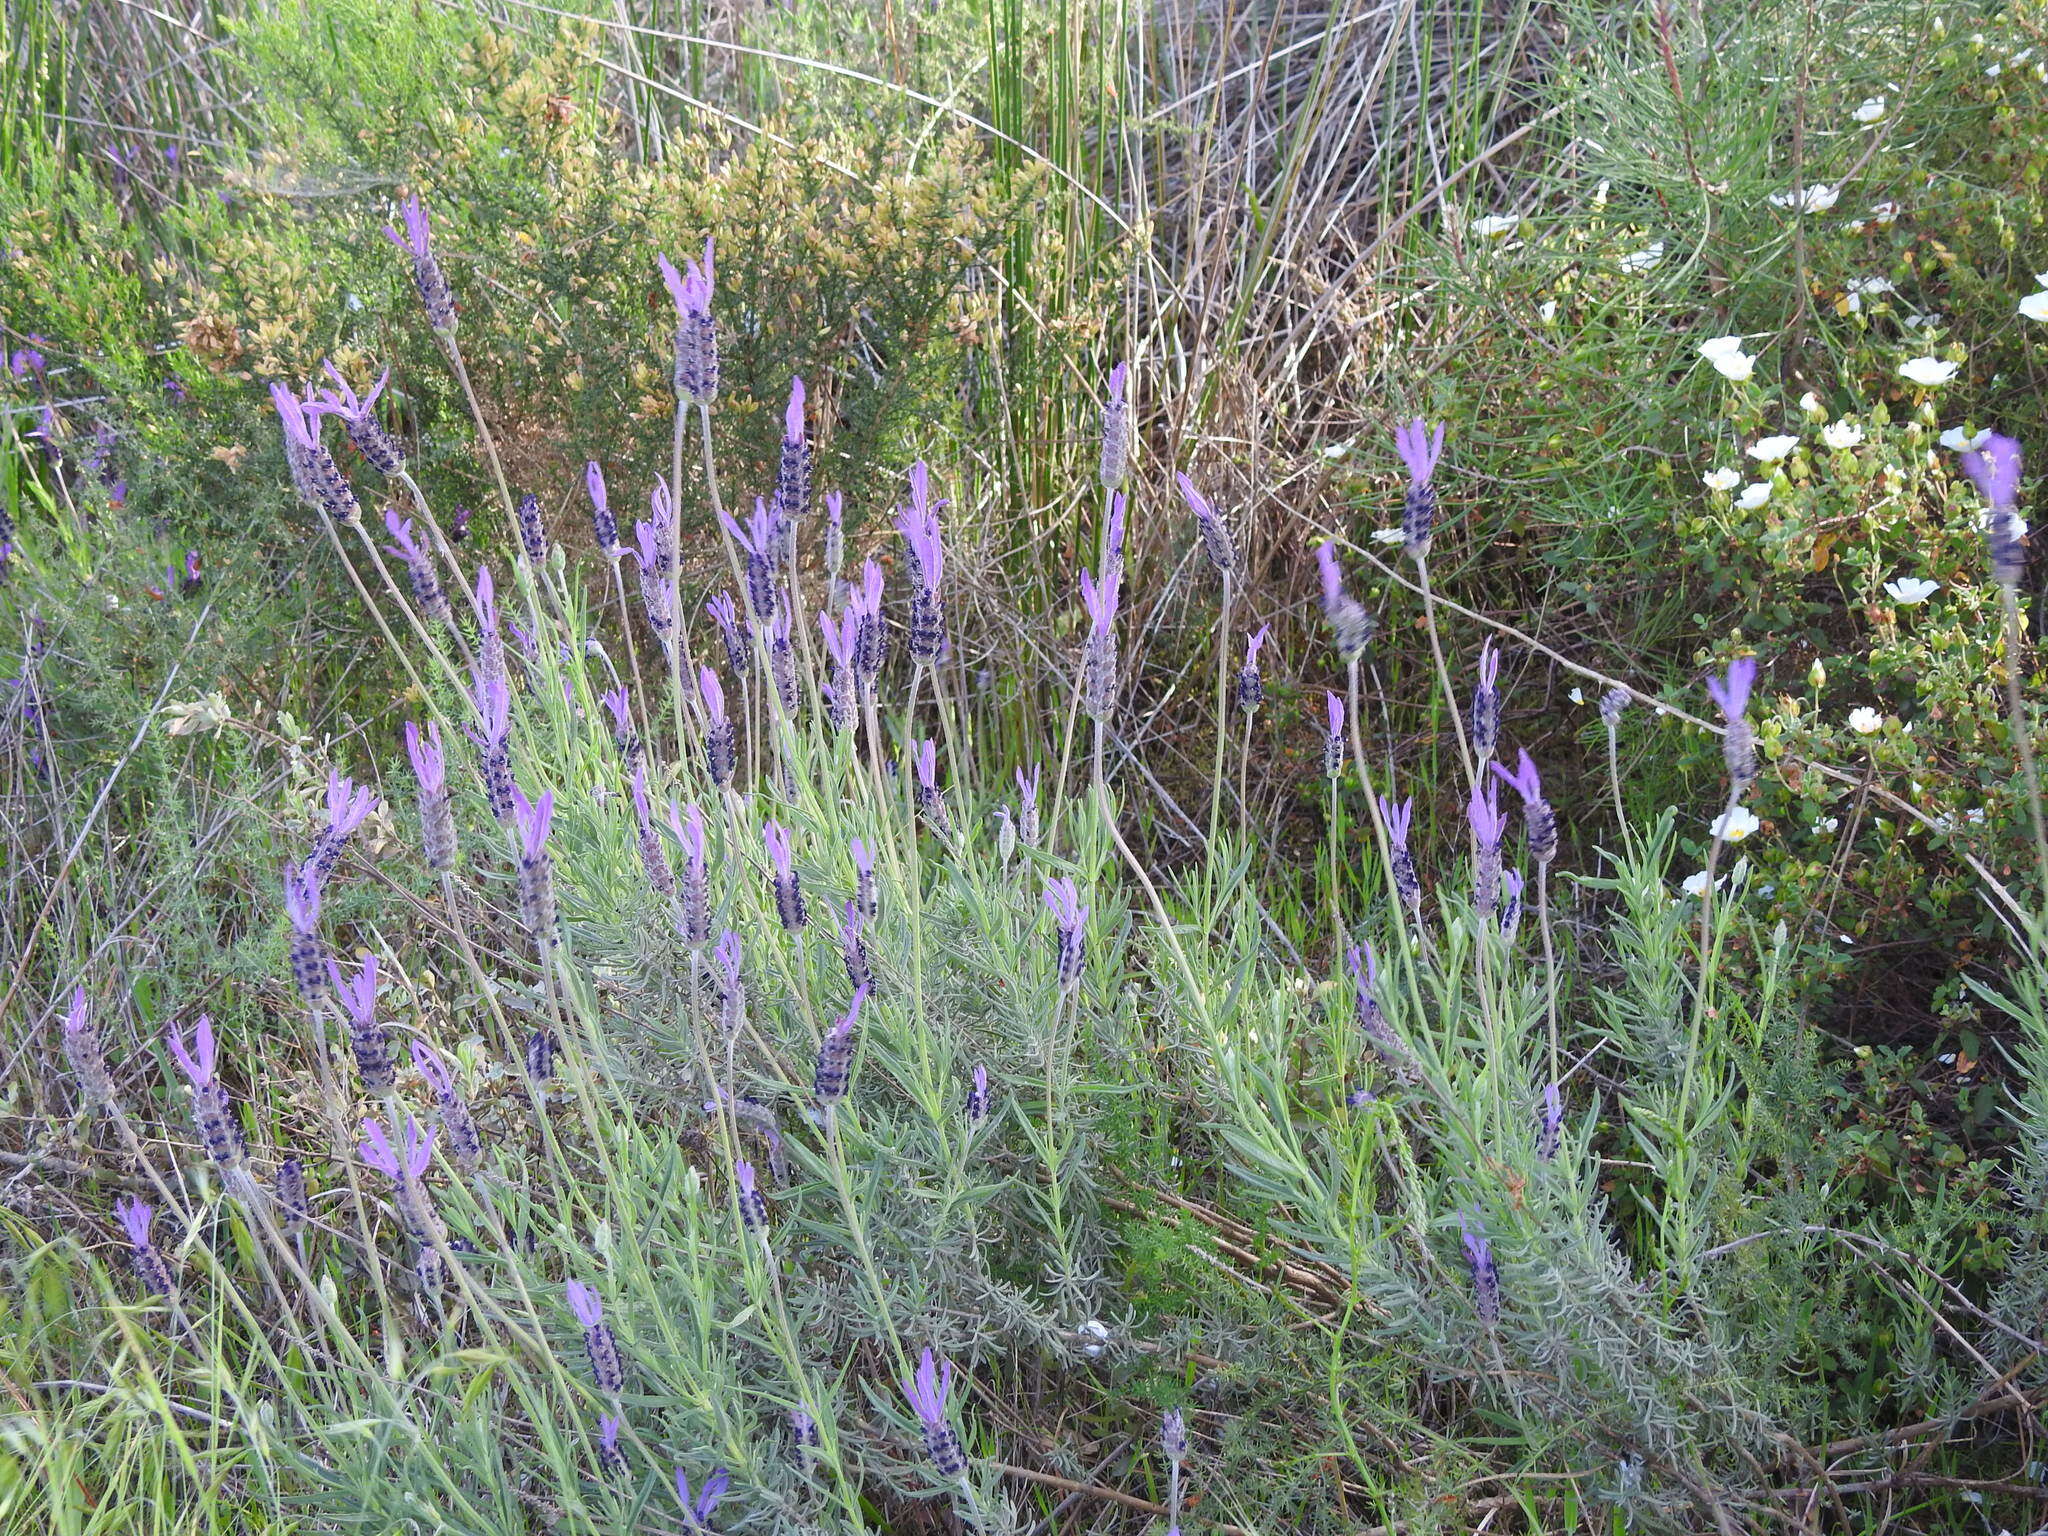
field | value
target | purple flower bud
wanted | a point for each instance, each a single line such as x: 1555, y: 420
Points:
x: 651, y: 539
x: 1485, y: 1274
x: 1550, y: 1123
x: 540, y: 1057
x: 437, y: 817
x: 720, y: 748
x: 696, y: 349
x: 420, y: 573
x: 697, y: 1515
x: 404, y: 1170
x: 1420, y: 452
x: 1738, y: 744
x: 927, y: 1392
x: 864, y: 893
x: 598, y: 1344
x: 1612, y: 703
x: 726, y: 615
x: 1070, y: 917
x: 1510, y: 903
x: 978, y: 1097
x: 464, y: 1144
x: 835, y: 1056
x: 1027, y: 805
x: 782, y: 660
x: 919, y: 525
x: 733, y: 997
x: 792, y: 472
x: 536, y: 872
x: 293, y: 1208
x: 1098, y: 655
x: 1216, y: 541
x: 1536, y: 811
x: 1406, y: 881
x: 316, y: 478
x: 347, y: 809
x: 803, y: 1434
x: 696, y: 920
x: 931, y: 800
x: 143, y: 1254
x: 1116, y: 430
x: 1351, y: 624
x: 492, y: 699
x: 83, y: 1051
x: 1365, y: 975
x: 1487, y: 826
x: 1251, y: 687
x: 652, y: 857
x: 533, y: 529
x: 604, y: 527
x: 853, y: 949
x: 1173, y: 1436
x: 609, y: 1456
x: 753, y: 1205
x: 435, y: 298
x: 307, y: 959
x: 1486, y: 705
x: 367, y: 1040
x: 358, y: 416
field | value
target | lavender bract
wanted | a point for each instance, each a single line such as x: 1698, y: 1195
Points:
x: 1251, y: 687
x: 1486, y: 705
x: 1333, y: 737
x: 348, y: 807
x: 696, y: 346
x: 790, y: 906
x: 82, y: 1049
x: 697, y: 1512
x: 1536, y: 811
x: 919, y: 525
x: 1215, y: 533
x: 753, y: 1205
x: 835, y: 1056
x: 1419, y: 452
x: 652, y: 857
x: 696, y: 917
x: 927, y: 1392
x: 358, y: 416
x: 427, y: 276
x: 1070, y: 919
x: 404, y: 1169
x: 1738, y: 744
x: 367, y: 1040
x: 536, y: 872
x: 464, y: 1144
x: 604, y: 527
x: 143, y: 1255
x: 1994, y: 468
x: 1487, y: 826
x: 1116, y: 430
x: 420, y: 573
x: 437, y: 815
x: 1485, y: 1273
x: 1351, y: 625
x: 1550, y: 1123
x: 1407, y: 883
x: 303, y: 952
x: 720, y: 745
x: 792, y: 472
x: 315, y: 476
x: 598, y: 1343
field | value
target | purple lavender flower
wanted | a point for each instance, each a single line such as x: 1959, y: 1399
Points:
x: 835, y: 545
x: 927, y: 1392
x: 930, y: 798
x: 536, y: 872
x: 733, y: 996
x: 348, y: 807
x: 540, y: 1057
x: 1349, y: 622
x: 689, y: 830
x: 1510, y: 903
x: 835, y: 1056
x: 1488, y: 823
x: 609, y: 1456
x: 871, y: 645
x: 404, y: 1170
x: 1216, y: 541
x: 366, y: 1038
x: 293, y: 1210
x: 358, y: 415
x: 493, y: 701
x: 919, y: 525
x: 1173, y: 1440
x: 420, y: 573
x: 1420, y: 452
x: 146, y: 1259
x: 853, y: 949
x: 1098, y: 655
x: 978, y: 1097
x: 1612, y: 703
x: 1333, y: 737
x: 1365, y: 976
x: 1486, y: 705
x: 792, y: 472
x: 842, y: 643
x: 1536, y: 811
x: 725, y: 614
x: 1485, y: 1274
x: 696, y: 351
x: 1070, y: 917
x: 1251, y: 687
x: 654, y: 594
x: 1738, y: 744
x: 697, y: 1514
x: 604, y: 527
x: 753, y: 1205
x: 864, y: 892
x: 426, y: 271
x: 490, y: 640
x: 789, y: 895
x: 1116, y: 430
x: 24, y: 362
x: 618, y: 703
x: 1995, y: 470
x: 83, y: 1051
x: 803, y: 1434
x: 193, y: 579
x: 1027, y: 805
x: 760, y: 540
x: 307, y: 959
x: 437, y: 817
x: 464, y: 1144
x: 315, y: 476
x: 652, y: 857
x: 1550, y: 1123
x: 533, y: 529
x: 720, y: 747
x: 598, y: 1343
x: 1406, y: 881
x: 782, y: 659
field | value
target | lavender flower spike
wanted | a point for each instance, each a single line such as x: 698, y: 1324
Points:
x: 789, y: 895
x: 1251, y: 687
x: 1536, y: 811
x: 146, y: 1259
x: 733, y: 995
x: 919, y: 525
x: 1510, y: 903
x: 652, y: 857
x: 1372, y: 1021
x: 864, y: 893
x: 835, y: 1056
x: 753, y: 1205
x: 1333, y: 738
x: 464, y: 1144
x: 604, y: 526
x: 1420, y: 452
x: 1116, y: 429
x: 1406, y: 881
x: 302, y: 910
x: 1071, y: 918
x: 725, y: 614
x: 697, y: 1513
x: 696, y: 350
x: 358, y: 416
x: 316, y: 478
x: 437, y: 817
x: 367, y: 1041
x: 1486, y: 705
x: 609, y: 1456
x: 536, y: 872
x: 1027, y: 805
x: 1216, y: 541
x: 1550, y: 1124
x: 420, y: 574
x: 426, y: 271
x: 760, y: 540
x: 792, y: 474
x: 1738, y: 744
x: 978, y: 1096
x: 927, y: 1392
x: 1485, y: 1273
x: 83, y: 1051
x: 348, y: 807
x: 1488, y: 823
x: 930, y: 798
x: 720, y: 746
x: 598, y: 1342
x: 1098, y: 656
x: 689, y: 829
x: 853, y: 949
x: 1995, y: 470
x: 1352, y: 626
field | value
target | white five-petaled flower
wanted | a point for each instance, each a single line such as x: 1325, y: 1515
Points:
x: 1389, y: 536
x: 1841, y: 434
x: 1736, y: 823
x: 1644, y: 260
x: 1862, y: 288
x: 1912, y: 589
x: 1547, y: 311
x: 1754, y: 495
x: 1728, y: 358
x: 2035, y: 305
x: 1871, y: 111
x: 1722, y: 479
x: 1818, y: 198
x: 1696, y: 884
x: 1769, y: 450
x: 1928, y: 372
x: 1494, y: 225
x: 1865, y: 721
x: 1958, y: 439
